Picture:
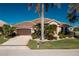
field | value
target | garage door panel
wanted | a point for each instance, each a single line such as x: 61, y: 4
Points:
x: 24, y: 32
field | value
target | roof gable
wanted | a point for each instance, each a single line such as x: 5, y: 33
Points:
x: 38, y: 20
x: 24, y: 24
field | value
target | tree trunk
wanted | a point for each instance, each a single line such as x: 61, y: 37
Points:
x: 42, y: 23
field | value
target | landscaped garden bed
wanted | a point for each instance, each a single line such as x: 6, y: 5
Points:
x: 60, y: 44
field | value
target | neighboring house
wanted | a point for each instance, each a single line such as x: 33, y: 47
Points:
x: 76, y: 28
x: 26, y: 28
x: 1, y: 25
x: 76, y: 32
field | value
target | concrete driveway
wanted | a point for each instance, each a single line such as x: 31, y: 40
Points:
x: 18, y: 41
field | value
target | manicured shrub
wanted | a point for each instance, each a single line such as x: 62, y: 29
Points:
x: 48, y: 31
x: 51, y: 36
x: 62, y: 35
x: 34, y: 36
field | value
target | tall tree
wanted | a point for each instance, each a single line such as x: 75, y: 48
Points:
x: 8, y: 30
x: 41, y: 14
x: 73, y: 11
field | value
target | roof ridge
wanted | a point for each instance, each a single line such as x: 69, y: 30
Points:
x: 29, y: 21
x: 22, y: 22
x: 39, y: 18
x: 35, y: 19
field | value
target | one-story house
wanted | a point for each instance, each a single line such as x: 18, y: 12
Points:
x: 27, y: 27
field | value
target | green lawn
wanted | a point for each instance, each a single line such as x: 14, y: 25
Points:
x: 60, y: 44
x: 2, y: 40
x: 32, y: 44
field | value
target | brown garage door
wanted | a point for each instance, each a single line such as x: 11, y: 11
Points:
x: 23, y: 31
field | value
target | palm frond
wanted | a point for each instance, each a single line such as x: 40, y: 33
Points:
x: 72, y: 12
x: 38, y: 8
x: 58, y: 5
x: 46, y: 5
x: 52, y: 4
x: 72, y: 5
x: 29, y: 6
x: 72, y: 18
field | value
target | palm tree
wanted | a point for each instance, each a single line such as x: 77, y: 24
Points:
x: 42, y: 14
x: 42, y: 22
x: 73, y: 13
x: 49, y: 29
x: 8, y: 30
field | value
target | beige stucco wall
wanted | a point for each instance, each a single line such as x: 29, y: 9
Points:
x: 58, y: 29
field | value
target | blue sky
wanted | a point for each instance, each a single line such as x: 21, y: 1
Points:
x: 15, y: 13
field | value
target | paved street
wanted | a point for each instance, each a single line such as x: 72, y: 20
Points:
x: 23, y: 51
